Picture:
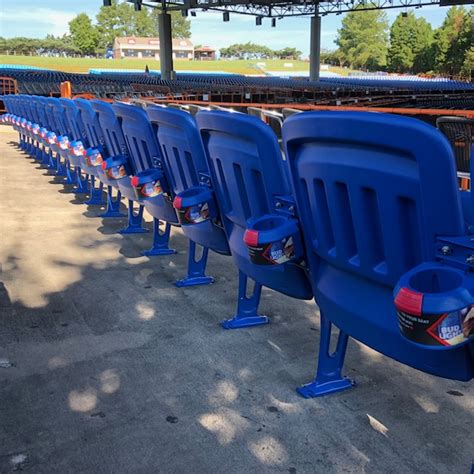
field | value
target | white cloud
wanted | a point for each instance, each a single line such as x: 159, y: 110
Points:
x: 45, y: 20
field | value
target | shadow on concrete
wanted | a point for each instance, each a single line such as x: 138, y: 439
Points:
x: 114, y: 369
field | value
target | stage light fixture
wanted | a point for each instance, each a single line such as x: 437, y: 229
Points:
x: 107, y: 3
x: 193, y: 13
x: 258, y: 20
x: 137, y: 5
x: 225, y: 16
x: 274, y: 22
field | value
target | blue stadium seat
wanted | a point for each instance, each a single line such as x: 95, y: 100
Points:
x: 96, y: 154
x: 375, y: 195
x: 60, y: 141
x: 150, y: 183
x: 250, y: 180
x: 76, y: 153
x: 189, y: 178
x: 116, y: 169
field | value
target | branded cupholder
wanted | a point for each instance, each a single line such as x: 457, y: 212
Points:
x: 148, y: 183
x: 273, y: 240
x: 116, y: 167
x: 195, y: 205
x: 94, y: 157
x: 434, y: 307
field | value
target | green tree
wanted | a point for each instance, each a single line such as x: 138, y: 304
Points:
x: 363, y: 39
x: 84, y: 35
x: 120, y: 19
x: 468, y: 65
x: 410, y: 43
x: 180, y: 25
x: 145, y: 24
x: 288, y: 53
x: 114, y: 21
x: 452, y: 41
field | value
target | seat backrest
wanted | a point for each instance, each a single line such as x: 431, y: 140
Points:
x: 373, y: 190
x: 91, y: 123
x: 59, y: 117
x: 35, y: 110
x: 43, y: 109
x: 181, y: 146
x: 111, y: 129
x: 74, y: 121
x: 54, y: 126
x: 245, y: 163
x: 141, y: 141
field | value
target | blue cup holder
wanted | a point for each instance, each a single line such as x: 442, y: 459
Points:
x: 434, y: 306
x: 273, y: 240
x: 194, y: 205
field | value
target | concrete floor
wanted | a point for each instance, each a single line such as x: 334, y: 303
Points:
x: 105, y: 366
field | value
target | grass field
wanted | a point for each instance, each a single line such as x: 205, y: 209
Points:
x: 84, y: 64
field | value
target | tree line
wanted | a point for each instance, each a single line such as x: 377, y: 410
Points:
x: 410, y: 45
x: 256, y: 51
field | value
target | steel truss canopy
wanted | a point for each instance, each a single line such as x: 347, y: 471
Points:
x: 280, y: 9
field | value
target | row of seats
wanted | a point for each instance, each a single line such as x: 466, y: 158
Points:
x: 45, y: 82
x: 361, y: 212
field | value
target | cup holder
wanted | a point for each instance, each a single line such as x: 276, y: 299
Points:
x: 195, y: 205
x: 148, y: 183
x: 273, y: 240
x: 434, y: 307
x: 116, y: 167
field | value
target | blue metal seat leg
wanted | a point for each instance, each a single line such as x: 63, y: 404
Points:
x: 247, y: 307
x: 196, y: 268
x: 328, y: 376
x: 82, y: 184
x: 134, y: 220
x: 95, y: 193
x: 70, y: 174
x: 160, y: 240
x: 113, y: 205
x: 60, y: 167
x: 52, y: 162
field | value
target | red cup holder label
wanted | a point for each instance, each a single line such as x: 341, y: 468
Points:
x: 272, y: 253
x: 447, y: 329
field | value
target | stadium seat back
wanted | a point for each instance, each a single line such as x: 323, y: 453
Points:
x: 144, y: 151
x: 250, y: 181
x: 91, y: 123
x: 111, y: 129
x: 245, y: 161
x: 74, y: 121
x: 373, y: 192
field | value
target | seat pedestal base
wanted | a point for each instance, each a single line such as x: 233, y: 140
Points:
x: 160, y: 241
x: 247, y: 307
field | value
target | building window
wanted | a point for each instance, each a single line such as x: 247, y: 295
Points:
x: 148, y: 53
x: 182, y: 54
x: 130, y: 53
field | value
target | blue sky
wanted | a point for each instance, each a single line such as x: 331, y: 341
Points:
x: 35, y: 19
